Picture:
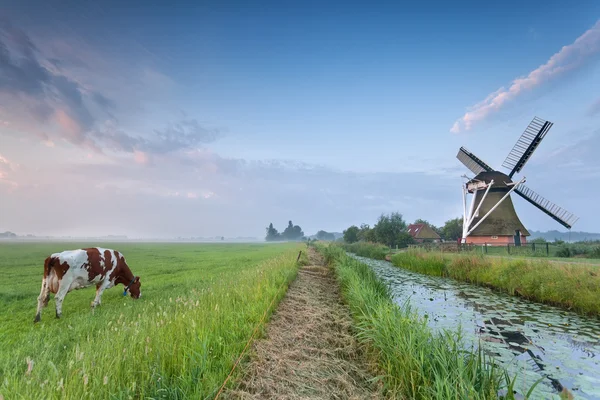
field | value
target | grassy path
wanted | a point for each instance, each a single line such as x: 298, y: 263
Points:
x: 309, y: 350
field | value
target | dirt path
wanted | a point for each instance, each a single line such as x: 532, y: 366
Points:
x: 309, y: 351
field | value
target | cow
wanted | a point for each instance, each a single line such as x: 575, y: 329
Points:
x: 76, y: 269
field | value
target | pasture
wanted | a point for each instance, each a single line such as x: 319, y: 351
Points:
x: 200, y: 305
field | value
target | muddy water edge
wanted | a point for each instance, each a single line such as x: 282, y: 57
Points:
x: 529, y: 339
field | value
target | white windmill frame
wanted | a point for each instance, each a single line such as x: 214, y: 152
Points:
x: 472, y: 187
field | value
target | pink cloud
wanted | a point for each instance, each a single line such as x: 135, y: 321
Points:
x: 191, y: 195
x: 568, y: 58
x: 67, y: 123
x: 6, y: 170
x: 141, y: 157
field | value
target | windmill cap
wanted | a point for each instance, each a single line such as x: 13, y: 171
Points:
x: 500, y: 180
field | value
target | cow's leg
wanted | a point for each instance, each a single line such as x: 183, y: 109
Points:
x: 99, y: 290
x: 63, y: 289
x: 42, y: 299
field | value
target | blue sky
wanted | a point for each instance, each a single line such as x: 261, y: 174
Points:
x: 220, y: 117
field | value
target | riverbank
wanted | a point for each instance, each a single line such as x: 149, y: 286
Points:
x: 569, y: 286
x: 532, y: 341
x: 416, y: 363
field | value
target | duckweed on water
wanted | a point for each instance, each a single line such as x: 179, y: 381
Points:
x: 532, y: 341
x: 571, y: 286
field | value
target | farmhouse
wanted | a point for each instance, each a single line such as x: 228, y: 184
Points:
x: 423, y: 233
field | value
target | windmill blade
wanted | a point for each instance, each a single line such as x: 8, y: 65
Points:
x: 471, y: 161
x: 562, y: 216
x: 526, y: 145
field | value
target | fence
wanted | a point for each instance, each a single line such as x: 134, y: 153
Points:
x: 528, y: 249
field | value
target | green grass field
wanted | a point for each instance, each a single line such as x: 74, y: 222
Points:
x: 199, y: 306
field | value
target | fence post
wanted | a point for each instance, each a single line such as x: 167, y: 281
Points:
x: 533, y: 247
x: 547, y: 249
x: 508, y: 247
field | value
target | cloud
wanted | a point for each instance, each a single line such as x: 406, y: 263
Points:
x: 225, y: 201
x: 594, y: 109
x: 6, y: 170
x: 577, y: 159
x: 34, y: 91
x: 51, y: 99
x: 567, y: 59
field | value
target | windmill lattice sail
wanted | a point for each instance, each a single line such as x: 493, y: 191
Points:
x: 526, y: 145
x: 559, y: 214
x: 471, y: 161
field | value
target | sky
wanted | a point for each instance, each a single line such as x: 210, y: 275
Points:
x: 163, y: 119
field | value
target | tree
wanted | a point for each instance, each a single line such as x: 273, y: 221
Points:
x: 452, y: 229
x: 272, y: 234
x: 404, y: 239
x: 351, y: 234
x: 322, y: 235
x: 389, y: 228
x: 366, y: 234
x: 292, y: 232
x: 537, y: 240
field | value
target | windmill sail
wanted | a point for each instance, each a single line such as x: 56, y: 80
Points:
x: 471, y: 161
x: 526, y: 145
x: 562, y: 216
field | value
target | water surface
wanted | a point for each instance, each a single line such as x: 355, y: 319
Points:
x: 528, y: 338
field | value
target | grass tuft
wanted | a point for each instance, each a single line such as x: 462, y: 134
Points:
x: 367, y: 249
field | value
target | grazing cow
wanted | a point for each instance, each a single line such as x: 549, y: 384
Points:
x: 77, y: 269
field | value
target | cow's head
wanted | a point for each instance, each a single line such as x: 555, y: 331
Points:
x: 134, y: 288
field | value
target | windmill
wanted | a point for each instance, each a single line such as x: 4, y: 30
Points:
x: 492, y: 218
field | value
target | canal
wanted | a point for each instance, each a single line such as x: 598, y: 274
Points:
x: 531, y: 340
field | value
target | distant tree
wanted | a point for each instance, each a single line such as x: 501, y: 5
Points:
x: 322, y: 235
x: 389, y: 228
x: 351, y: 234
x: 366, y: 233
x: 538, y: 240
x: 452, y: 229
x: 272, y: 234
x: 292, y: 232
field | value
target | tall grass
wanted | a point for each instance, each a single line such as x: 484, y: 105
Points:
x: 199, y: 307
x: 571, y: 286
x: 367, y: 249
x: 416, y: 363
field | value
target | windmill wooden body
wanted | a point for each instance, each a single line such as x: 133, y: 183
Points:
x: 491, y: 218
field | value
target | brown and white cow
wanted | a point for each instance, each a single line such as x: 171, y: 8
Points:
x: 77, y: 269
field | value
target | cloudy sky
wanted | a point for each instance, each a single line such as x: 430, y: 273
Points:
x: 152, y: 119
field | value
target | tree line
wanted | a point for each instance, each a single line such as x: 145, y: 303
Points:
x: 391, y: 231
x: 291, y: 232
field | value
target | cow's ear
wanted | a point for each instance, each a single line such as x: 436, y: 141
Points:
x: 137, y: 278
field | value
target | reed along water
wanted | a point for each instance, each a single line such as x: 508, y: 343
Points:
x: 529, y: 339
